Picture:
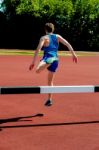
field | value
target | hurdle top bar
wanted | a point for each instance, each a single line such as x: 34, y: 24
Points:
x: 48, y: 89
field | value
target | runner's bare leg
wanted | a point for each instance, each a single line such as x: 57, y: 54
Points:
x: 50, y: 82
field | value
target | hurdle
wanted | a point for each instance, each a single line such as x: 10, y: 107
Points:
x: 49, y: 89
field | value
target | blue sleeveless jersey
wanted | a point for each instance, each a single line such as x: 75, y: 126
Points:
x: 51, y: 50
x: 50, y: 53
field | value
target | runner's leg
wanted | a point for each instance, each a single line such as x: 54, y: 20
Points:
x: 41, y: 66
x: 50, y: 81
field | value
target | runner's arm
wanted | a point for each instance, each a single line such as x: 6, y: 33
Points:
x: 68, y: 45
x: 39, y: 47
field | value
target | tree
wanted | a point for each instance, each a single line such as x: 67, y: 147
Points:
x: 76, y: 20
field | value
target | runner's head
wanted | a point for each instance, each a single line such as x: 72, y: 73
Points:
x: 49, y: 27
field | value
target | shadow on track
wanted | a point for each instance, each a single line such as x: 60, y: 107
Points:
x: 16, y: 119
x: 49, y: 124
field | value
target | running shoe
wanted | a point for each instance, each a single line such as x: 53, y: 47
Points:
x: 48, y: 102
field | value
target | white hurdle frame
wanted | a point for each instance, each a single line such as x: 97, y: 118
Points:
x: 67, y: 89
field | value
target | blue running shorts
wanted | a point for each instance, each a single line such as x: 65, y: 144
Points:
x: 53, y: 61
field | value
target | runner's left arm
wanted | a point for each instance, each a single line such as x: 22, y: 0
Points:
x: 39, y: 47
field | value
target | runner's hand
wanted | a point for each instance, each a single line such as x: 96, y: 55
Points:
x: 75, y: 59
x: 31, y: 66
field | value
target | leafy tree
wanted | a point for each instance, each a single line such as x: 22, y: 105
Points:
x: 85, y: 21
x: 76, y: 20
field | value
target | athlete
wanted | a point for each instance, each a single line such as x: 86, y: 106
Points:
x: 50, y: 44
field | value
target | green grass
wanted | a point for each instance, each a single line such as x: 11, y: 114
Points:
x: 15, y: 52
x: 30, y: 53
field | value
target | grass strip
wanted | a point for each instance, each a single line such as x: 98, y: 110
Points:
x: 31, y: 53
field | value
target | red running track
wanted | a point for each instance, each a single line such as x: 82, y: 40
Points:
x: 72, y: 123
